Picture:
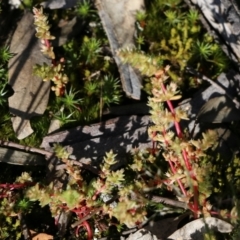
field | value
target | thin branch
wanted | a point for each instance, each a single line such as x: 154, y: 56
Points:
x: 169, y: 201
x: 86, y: 217
x: 47, y: 154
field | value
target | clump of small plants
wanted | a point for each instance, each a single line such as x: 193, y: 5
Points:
x: 84, y: 80
x: 173, y: 33
x: 169, y: 37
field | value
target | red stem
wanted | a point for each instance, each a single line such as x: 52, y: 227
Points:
x: 153, y: 151
x: 186, y: 160
x: 87, y: 227
x: 169, y: 103
x: 195, y: 197
x: 98, y: 192
x: 178, y: 180
x: 185, y: 157
x: 15, y: 185
x: 47, y: 43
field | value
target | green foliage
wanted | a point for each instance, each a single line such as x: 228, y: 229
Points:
x: 173, y: 18
x: 10, y: 228
x: 203, y: 50
x: 23, y: 205
x: 60, y: 152
x: 36, y: 193
x: 192, y: 16
x: 147, y: 65
x: 225, y: 175
x: 84, y: 9
x: 63, y: 117
x: 98, y: 87
x: 175, y: 35
x: 141, y: 16
x: 99, y: 93
x: 10, y: 207
x: 5, y: 55
x: 90, y: 50
x: 83, y: 197
x: 87, y: 69
x: 55, y: 74
x: 6, y: 130
x: 86, y: 82
x: 71, y: 197
x: 236, y: 231
x: 3, y: 93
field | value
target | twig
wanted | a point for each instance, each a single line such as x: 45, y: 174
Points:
x: 130, y: 231
x: 47, y: 154
x: 86, y: 218
x: 97, y: 73
x: 169, y: 201
x: 134, y: 229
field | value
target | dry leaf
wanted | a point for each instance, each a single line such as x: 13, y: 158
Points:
x: 31, y: 94
x: 118, y: 19
x: 91, y: 142
x: 40, y: 236
x: 22, y: 127
x: 54, y: 125
x: 58, y: 4
x: 195, y: 230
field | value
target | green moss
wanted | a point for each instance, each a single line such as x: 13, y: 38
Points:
x: 175, y: 35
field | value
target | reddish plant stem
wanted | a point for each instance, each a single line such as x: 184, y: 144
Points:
x: 89, y: 230
x: 179, y: 134
x: 186, y: 160
x: 98, y: 192
x: 4, y: 195
x: 195, y: 201
x: 174, y: 170
x: 228, y: 215
x: 165, y: 141
x: 178, y: 180
x: 88, y: 216
x: 47, y: 43
x: 169, y: 103
x: 185, y: 157
x: 15, y: 185
x: 153, y: 150
x: 87, y: 227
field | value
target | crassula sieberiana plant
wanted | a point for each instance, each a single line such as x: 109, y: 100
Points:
x: 105, y: 196
x: 185, y: 156
x: 123, y: 193
x: 54, y: 72
x: 83, y: 66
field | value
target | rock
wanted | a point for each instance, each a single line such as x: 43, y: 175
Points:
x: 195, y: 230
x: 118, y: 19
x: 142, y: 234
